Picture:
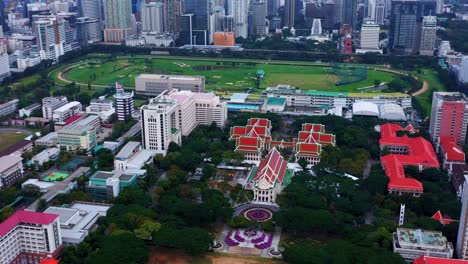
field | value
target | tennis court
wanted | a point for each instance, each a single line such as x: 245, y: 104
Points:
x: 56, y: 176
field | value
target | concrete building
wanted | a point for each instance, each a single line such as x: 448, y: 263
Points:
x: 316, y: 27
x: 152, y: 85
x: 101, y: 107
x: 414, y: 243
x: 462, y: 239
x: 80, y: 135
x: 224, y: 39
x: 259, y: 24
x: 50, y: 104
x: 449, y: 116
x: 132, y: 156
x: 4, y: 66
x: 124, y: 104
x: 48, y: 140
x: 28, y: 110
x: 78, y: 220
x: 428, y: 36
x: 289, y: 13
x: 160, y: 124
x: 45, y: 156
x: 117, y: 14
x: 18, y: 149
x: 152, y: 17
x: 66, y: 111
x: 463, y: 70
x: 106, y: 185
x: 9, y: 107
x: 88, y: 30
x: 239, y: 10
x: 11, y: 170
x: 29, y: 237
x: 50, y: 37
x: 369, y: 37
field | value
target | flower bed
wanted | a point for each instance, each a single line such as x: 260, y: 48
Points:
x: 257, y: 214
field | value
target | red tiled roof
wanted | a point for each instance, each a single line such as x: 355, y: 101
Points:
x: 433, y: 260
x: 49, y: 261
x: 259, y: 122
x: 72, y: 119
x: 452, y: 151
x: 439, y: 217
x: 313, y: 127
x: 26, y: 217
x: 272, y: 168
x: 309, y: 148
x: 420, y: 152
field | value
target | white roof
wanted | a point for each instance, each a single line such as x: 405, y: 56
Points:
x: 127, y: 150
x: 9, y: 161
x: 392, y: 112
x: 365, y: 109
x: 38, y: 183
x: 139, y: 159
x: 66, y: 107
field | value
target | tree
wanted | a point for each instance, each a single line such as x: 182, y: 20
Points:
x: 194, y: 241
x: 105, y: 159
x: 303, y: 163
x: 146, y: 230
x: 122, y: 247
x: 377, y: 83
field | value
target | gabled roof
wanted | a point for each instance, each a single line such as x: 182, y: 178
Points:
x: 271, y: 169
x: 259, y: 122
x: 304, y: 149
x: 432, y: 260
x: 439, y: 217
x: 420, y: 153
x: 254, y: 136
x: 26, y: 217
x: 313, y: 127
x: 452, y: 151
x: 248, y: 143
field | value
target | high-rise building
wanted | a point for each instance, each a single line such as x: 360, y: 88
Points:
x: 405, y: 24
x: 449, y: 117
x: 50, y: 38
x: 370, y: 35
x: 4, y: 66
x: 88, y: 30
x: 239, y: 9
x: 160, y: 124
x: 152, y: 17
x: 349, y: 9
x: 380, y: 12
x: 172, y: 12
x: 29, y: 237
x: 316, y: 28
x: 371, y: 8
x: 124, y: 105
x: 195, y: 24
x: 320, y: 10
x: 463, y: 70
x: 259, y: 23
x: 272, y: 7
x: 428, y: 35
x: 91, y: 9
x: 289, y: 13
x: 338, y: 11
x: 118, y: 16
x: 462, y: 239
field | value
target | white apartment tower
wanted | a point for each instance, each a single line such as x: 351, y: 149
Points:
x: 50, y: 38
x: 152, y: 17
x: 428, y: 35
x: 160, y: 125
x: 124, y: 105
x: 239, y: 9
x: 316, y: 27
x: 463, y: 75
x: 370, y: 35
x: 462, y: 240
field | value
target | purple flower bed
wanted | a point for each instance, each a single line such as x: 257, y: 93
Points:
x: 250, y: 233
x: 257, y: 214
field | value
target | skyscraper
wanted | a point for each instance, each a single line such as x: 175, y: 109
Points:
x: 316, y: 28
x: 195, y: 23
x: 272, y: 7
x: 152, y: 17
x: 370, y: 35
x: 50, y: 38
x: 91, y: 9
x: 172, y: 12
x: 320, y: 10
x: 289, y: 13
x: 349, y: 10
x: 259, y: 17
x: 239, y: 9
x: 118, y: 16
x: 428, y: 36
x: 462, y: 240
x: 405, y: 24
x: 380, y: 12
x: 449, y: 117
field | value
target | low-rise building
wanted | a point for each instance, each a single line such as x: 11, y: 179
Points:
x: 153, y: 84
x: 78, y: 220
x: 29, y: 237
x: 105, y: 185
x: 411, y: 244
x: 79, y: 135
x: 433, y: 260
x: 48, y: 140
x: 28, y: 110
x: 9, y: 107
x: 11, y: 170
x: 45, y: 156
x: 102, y: 108
x: 132, y: 156
x: 28, y: 61
x: 66, y: 111
x: 50, y: 104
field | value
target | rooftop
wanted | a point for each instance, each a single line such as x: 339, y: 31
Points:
x: 18, y: 146
x: 170, y: 77
x: 67, y: 106
x: 8, y: 161
x: 432, y: 260
x: 104, y: 175
x: 127, y: 150
x: 26, y: 217
x: 418, y: 238
x: 276, y: 101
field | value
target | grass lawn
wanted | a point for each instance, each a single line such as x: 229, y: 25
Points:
x: 225, y: 75
x: 430, y: 76
x: 8, y: 139
x: 302, y: 244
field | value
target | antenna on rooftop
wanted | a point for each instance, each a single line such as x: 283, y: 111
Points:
x: 402, y: 215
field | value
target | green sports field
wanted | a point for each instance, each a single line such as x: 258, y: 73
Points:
x: 222, y: 75
x: 8, y: 139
